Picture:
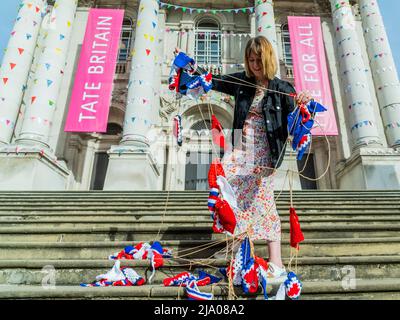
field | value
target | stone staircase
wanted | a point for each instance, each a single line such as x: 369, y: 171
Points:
x: 351, y: 251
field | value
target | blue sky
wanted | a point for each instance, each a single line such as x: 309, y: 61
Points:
x: 390, y: 11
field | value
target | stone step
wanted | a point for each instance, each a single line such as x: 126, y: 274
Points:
x: 183, y: 231
x: 189, y: 204
x: 186, y: 214
x: 74, y: 272
x: 193, y: 249
x: 374, y: 289
x: 197, y: 201
x: 202, y: 220
x: 193, y: 210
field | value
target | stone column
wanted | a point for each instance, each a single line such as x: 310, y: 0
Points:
x: 265, y: 23
x: 16, y: 64
x: 383, y: 68
x: 31, y: 77
x: 42, y: 98
x: 362, y: 122
x: 132, y: 165
x: 139, y: 111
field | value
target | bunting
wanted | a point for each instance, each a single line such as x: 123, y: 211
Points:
x: 192, y: 10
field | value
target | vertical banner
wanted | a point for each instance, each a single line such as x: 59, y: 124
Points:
x: 91, y: 95
x: 310, y: 69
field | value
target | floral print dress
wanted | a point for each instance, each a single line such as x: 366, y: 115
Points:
x: 246, y: 169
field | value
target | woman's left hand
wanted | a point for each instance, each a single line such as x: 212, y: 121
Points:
x: 303, y: 97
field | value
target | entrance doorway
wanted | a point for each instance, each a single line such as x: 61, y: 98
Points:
x: 100, y: 166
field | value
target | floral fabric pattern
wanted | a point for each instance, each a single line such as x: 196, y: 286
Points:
x: 246, y: 169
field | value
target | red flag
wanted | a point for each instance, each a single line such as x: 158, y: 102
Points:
x: 215, y: 170
x: 217, y: 134
x: 296, y: 235
x: 225, y: 215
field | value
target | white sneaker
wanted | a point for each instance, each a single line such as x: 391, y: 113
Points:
x: 276, y: 274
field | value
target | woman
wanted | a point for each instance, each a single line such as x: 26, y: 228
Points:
x: 260, y: 118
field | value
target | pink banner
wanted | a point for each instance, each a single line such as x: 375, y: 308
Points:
x: 310, y: 69
x: 91, y: 95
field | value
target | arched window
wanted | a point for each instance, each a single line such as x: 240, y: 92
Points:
x: 287, y: 50
x: 208, y: 42
x: 202, y: 125
x: 126, y: 40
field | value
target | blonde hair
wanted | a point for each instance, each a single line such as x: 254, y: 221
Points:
x: 263, y: 48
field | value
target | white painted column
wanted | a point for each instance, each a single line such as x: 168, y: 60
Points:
x: 265, y: 23
x: 17, y: 62
x: 362, y: 122
x: 31, y: 76
x: 383, y: 68
x: 42, y: 98
x: 139, y: 111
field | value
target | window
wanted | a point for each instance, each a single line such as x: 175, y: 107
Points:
x: 208, y: 43
x: 126, y: 40
x: 287, y: 50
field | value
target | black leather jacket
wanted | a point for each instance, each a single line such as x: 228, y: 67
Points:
x: 276, y: 108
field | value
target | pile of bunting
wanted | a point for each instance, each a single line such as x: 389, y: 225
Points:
x: 142, y: 251
x: 117, y: 277
x: 191, y: 283
x: 300, y: 123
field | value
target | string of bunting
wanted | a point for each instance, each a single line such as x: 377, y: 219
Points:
x: 213, y: 34
x: 200, y: 10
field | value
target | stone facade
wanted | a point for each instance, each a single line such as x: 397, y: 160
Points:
x: 144, y: 155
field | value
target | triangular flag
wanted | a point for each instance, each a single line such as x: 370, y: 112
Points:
x: 51, y: 103
x: 217, y: 132
x: 8, y: 122
x: 47, y: 65
x: 148, y: 51
x: 33, y: 100
x: 5, y: 80
x: 37, y: 9
x: 296, y: 235
x: 58, y: 50
x: 154, y: 25
x: 69, y: 24
x: 21, y: 51
x: 62, y: 37
x: 28, y: 36
x: 12, y: 33
x: 49, y: 83
x: 12, y: 65
x: 29, y: 5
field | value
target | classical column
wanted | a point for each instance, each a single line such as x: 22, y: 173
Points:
x: 362, y: 121
x: 265, y: 23
x: 132, y: 165
x: 42, y: 98
x: 31, y: 75
x: 139, y: 111
x: 383, y: 69
x: 16, y: 64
